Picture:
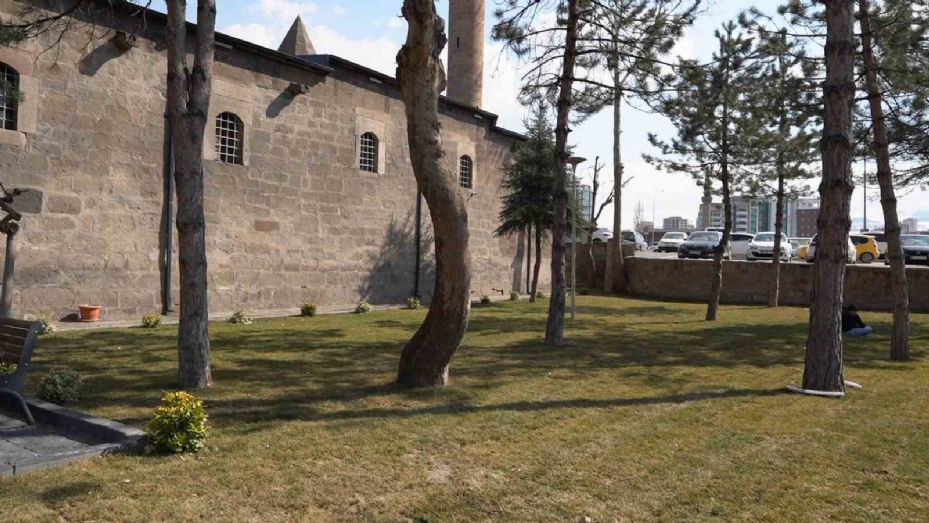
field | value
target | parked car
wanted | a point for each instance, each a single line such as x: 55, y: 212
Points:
x: 762, y: 247
x: 602, y: 235
x: 881, y: 238
x: 915, y: 248
x: 811, y: 251
x: 671, y: 241
x: 797, y: 244
x: 866, y: 250
x: 636, y: 238
x: 702, y: 244
x: 738, y: 244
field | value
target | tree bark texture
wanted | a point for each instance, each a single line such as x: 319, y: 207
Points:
x: 425, y: 358
x: 538, y: 261
x: 900, y: 341
x: 774, y: 293
x: 188, y: 104
x: 614, y: 275
x: 529, y: 264
x: 554, y: 328
x: 823, y: 363
x: 716, y: 286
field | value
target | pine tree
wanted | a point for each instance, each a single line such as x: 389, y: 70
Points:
x: 529, y: 185
x: 716, y: 126
x: 786, y: 99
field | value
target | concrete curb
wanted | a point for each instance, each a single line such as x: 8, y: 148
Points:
x: 86, y: 427
x: 61, y: 458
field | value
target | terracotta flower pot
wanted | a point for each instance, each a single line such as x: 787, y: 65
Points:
x: 89, y: 312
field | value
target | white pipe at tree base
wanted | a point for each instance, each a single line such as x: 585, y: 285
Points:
x: 824, y: 393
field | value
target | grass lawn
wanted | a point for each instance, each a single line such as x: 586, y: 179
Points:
x: 647, y: 414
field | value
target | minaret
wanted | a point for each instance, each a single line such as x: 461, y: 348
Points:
x: 466, y: 51
x: 297, y: 42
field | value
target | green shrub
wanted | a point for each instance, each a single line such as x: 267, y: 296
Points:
x: 7, y: 368
x: 514, y: 296
x: 308, y: 310
x: 47, y: 326
x: 240, y: 317
x: 363, y: 307
x: 413, y: 303
x: 178, y: 424
x: 151, y: 321
x: 539, y: 294
x: 60, y: 386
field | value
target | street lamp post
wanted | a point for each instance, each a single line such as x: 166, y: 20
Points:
x: 574, y: 161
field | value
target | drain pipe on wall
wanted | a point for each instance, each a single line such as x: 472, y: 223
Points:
x: 167, y: 255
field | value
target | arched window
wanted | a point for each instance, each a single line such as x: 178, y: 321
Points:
x: 466, y: 172
x: 367, y: 155
x: 230, y: 139
x: 9, y: 92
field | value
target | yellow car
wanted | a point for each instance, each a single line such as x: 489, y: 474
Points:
x: 801, y: 252
x: 866, y: 248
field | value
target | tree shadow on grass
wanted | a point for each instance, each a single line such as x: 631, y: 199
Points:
x: 280, y: 370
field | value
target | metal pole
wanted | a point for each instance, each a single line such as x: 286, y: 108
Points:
x: 168, y: 222
x: 574, y: 250
x: 654, y: 205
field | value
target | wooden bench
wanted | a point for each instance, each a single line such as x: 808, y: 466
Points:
x: 17, y: 341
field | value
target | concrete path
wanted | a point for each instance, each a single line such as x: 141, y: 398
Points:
x: 61, y: 436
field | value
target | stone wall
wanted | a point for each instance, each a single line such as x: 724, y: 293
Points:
x: 866, y: 286
x: 297, y: 222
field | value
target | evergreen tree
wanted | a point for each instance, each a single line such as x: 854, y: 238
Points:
x: 716, y: 128
x: 787, y: 102
x: 529, y: 183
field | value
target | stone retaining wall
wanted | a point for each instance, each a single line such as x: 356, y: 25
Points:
x: 867, y: 286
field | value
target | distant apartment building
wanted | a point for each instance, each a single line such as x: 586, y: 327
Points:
x: 909, y: 226
x: 807, y: 214
x: 585, y: 200
x: 717, y: 217
x: 753, y: 215
x: 677, y: 223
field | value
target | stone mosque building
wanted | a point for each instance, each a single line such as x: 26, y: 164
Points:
x: 309, y: 191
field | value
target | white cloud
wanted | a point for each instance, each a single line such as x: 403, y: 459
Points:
x: 338, y: 10
x: 284, y: 10
x: 262, y: 34
x: 396, y: 22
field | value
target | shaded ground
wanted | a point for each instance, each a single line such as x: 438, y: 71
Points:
x: 648, y: 413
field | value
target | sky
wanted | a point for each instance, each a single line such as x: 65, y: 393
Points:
x: 370, y: 32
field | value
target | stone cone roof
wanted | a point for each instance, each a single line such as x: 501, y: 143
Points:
x: 297, y: 42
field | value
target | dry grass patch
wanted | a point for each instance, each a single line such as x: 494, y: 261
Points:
x: 648, y: 413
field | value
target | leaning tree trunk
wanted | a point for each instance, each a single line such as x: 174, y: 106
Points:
x: 774, y: 293
x: 614, y: 275
x: 188, y: 103
x: 900, y: 342
x: 554, y: 328
x: 823, y: 365
x: 425, y: 358
x: 538, y: 261
x: 716, y: 286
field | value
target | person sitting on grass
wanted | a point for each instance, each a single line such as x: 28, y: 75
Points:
x: 852, y: 324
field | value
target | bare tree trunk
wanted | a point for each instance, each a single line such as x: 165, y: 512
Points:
x: 425, y: 358
x: 592, y: 282
x: 188, y: 103
x: 554, y: 328
x: 823, y: 366
x: 538, y: 261
x: 614, y: 279
x: 529, y: 262
x: 774, y: 295
x: 900, y: 341
x: 716, y: 289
